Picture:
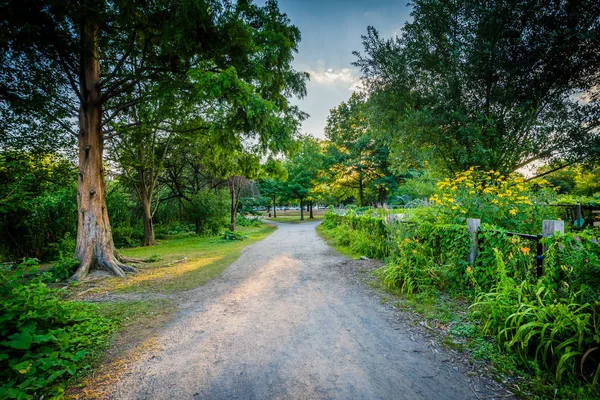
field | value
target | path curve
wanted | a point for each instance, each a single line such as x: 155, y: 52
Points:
x: 283, y: 323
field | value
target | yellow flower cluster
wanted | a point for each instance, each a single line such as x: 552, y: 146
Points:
x: 475, y: 187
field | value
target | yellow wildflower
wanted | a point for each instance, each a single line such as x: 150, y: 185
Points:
x: 525, y: 250
x: 512, y: 212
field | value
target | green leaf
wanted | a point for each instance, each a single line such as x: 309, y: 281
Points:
x: 20, y: 341
x: 23, y: 367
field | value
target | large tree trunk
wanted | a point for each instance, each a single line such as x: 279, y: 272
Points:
x: 148, y: 225
x: 274, y: 208
x: 311, y: 210
x: 301, y: 209
x: 94, y: 238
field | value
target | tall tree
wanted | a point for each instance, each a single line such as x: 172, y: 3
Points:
x: 72, y: 68
x: 271, y: 182
x: 304, y: 168
x: 498, y: 84
x: 359, y: 157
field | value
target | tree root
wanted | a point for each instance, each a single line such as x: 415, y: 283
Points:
x: 114, y: 263
x: 129, y: 260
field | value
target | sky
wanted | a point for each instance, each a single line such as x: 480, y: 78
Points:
x: 331, y: 31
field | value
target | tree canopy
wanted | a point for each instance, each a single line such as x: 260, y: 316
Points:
x: 81, y: 69
x: 497, y: 84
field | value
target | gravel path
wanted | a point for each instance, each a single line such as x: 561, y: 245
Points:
x: 283, y: 323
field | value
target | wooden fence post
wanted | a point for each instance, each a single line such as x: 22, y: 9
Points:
x: 549, y: 227
x: 473, y: 224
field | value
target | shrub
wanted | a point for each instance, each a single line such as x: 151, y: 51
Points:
x: 127, y: 236
x: 208, y: 211
x: 233, y: 236
x: 507, y: 202
x: 364, y: 234
x: 555, y: 329
x: 45, y: 339
x: 242, y: 220
x: 428, y: 257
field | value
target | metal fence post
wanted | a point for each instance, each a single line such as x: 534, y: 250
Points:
x: 473, y: 224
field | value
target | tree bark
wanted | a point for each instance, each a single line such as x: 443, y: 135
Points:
x: 233, y: 209
x: 311, y: 210
x: 149, y: 239
x: 274, y: 208
x: 94, y: 238
x: 301, y: 209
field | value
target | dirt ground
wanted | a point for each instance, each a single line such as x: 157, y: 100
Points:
x: 289, y: 320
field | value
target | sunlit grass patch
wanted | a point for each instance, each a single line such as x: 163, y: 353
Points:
x: 181, y: 263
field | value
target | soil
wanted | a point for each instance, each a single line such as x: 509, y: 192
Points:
x: 293, y: 319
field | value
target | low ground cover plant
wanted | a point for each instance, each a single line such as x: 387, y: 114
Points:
x: 43, y: 338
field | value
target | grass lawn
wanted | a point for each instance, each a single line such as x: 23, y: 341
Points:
x: 178, y: 263
x: 293, y: 216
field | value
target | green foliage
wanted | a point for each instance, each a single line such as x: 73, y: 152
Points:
x: 233, y: 236
x: 366, y: 235
x: 554, y: 327
x: 417, y: 185
x: 466, y: 83
x: 508, y: 202
x: 208, y: 210
x: 44, y: 339
x: 358, y: 159
x: 428, y: 258
x: 127, y: 236
x: 242, y: 220
x: 37, y: 204
x: 63, y: 268
x: 153, y: 258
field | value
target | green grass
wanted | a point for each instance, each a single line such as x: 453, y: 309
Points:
x: 180, y: 263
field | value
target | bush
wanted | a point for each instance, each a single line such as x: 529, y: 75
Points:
x: 127, y: 236
x: 549, y: 322
x: 554, y: 328
x: 242, y: 220
x: 428, y: 257
x: 45, y: 339
x: 364, y: 234
x: 234, y: 236
x: 208, y: 211
x: 507, y: 202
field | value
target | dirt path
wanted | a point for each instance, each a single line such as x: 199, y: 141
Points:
x: 282, y: 323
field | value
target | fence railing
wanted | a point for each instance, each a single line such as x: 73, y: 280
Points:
x: 549, y: 227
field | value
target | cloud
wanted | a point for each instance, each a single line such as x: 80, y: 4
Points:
x: 338, y: 77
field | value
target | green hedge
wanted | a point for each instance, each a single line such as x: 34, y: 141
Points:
x: 551, y: 322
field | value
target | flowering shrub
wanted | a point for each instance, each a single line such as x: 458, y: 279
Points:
x: 428, y: 257
x: 508, y: 202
